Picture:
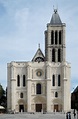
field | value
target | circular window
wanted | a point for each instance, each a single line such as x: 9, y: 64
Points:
x: 39, y: 73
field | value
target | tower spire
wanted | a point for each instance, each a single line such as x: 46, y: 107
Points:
x: 55, y: 20
x: 39, y: 45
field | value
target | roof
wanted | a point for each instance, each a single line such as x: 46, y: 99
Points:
x: 55, y: 20
x: 76, y: 90
x: 38, y: 55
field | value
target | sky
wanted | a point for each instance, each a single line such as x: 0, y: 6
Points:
x: 22, y: 26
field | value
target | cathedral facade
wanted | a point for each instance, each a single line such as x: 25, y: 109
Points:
x: 42, y: 84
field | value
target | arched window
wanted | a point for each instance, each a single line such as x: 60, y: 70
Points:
x: 24, y: 80
x: 59, y: 37
x: 53, y: 55
x: 56, y: 94
x: 59, y: 55
x: 38, y: 88
x: 21, y: 95
x: 52, y: 37
x: 56, y: 34
x: 18, y: 80
x: 59, y: 82
x: 53, y: 80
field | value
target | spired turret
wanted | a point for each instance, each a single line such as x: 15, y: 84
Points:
x: 55, y: 18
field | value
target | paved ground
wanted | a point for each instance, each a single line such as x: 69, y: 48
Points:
x: 34, y: 116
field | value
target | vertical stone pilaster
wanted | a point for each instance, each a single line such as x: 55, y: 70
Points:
x: 64, y: 46
x: 13, y: 99
x: 29, y: 75
x: 49, y: 37
x: 56, y: 55
x: 54, y: 37
x: 48, y: 90
x: 28, y: 72
x: 48, y: 95
x: 29, y: 95
x: 12, y: 95
x: 58, y: 37
x: 66, y: 88
x: 61, y: 55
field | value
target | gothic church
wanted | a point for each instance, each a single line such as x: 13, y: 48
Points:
x: 44, y: 82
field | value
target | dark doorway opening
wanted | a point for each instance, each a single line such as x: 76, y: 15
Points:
x: 21, y: 108
x: 56, y: 108
x: 38, y: 107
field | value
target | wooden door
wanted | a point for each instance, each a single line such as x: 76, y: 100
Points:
x: 56, y: 108
x: 38, y: 107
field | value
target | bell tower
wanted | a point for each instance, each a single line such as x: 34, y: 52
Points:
x: 55, y: 47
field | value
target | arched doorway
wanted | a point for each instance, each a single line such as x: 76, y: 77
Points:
x: 21, y: 105
x: 38, y: 107
x: 57, y: 105
x: 39, y: 104
x: 21, y: 108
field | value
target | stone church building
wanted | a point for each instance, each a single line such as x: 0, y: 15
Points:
x: 42, y: 84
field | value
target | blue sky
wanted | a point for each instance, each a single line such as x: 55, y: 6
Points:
x: 22, y: 26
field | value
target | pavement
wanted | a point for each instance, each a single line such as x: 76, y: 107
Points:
x: 35, y: 116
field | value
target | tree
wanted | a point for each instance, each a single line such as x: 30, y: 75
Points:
x: 2, y: 96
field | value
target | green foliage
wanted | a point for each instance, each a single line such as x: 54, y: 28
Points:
x: 2, y: 92
x: 2, y: 96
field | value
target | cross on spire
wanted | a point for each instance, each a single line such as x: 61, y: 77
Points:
x: 55, y: 9
x: 39, y: 45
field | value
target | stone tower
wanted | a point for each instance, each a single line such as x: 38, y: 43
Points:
x: 55, y: 49
x: 59, y: 70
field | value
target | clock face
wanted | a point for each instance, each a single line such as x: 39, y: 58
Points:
x: 39, y: 73
x: 39, y: 59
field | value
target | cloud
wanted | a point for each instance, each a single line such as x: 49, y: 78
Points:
x: 21, y: 19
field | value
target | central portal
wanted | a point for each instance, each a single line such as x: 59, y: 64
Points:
x: 21, y: 108
x: 56, y: 108
x: 38, y: 107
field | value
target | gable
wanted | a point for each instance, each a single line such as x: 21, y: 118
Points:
x: 38, y: 57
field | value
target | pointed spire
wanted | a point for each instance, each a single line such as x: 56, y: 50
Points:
x: 55, y: 20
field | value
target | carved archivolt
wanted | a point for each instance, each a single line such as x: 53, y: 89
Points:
x: 39, y: 99
x: 21, y: 101
x: 57, y: 101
